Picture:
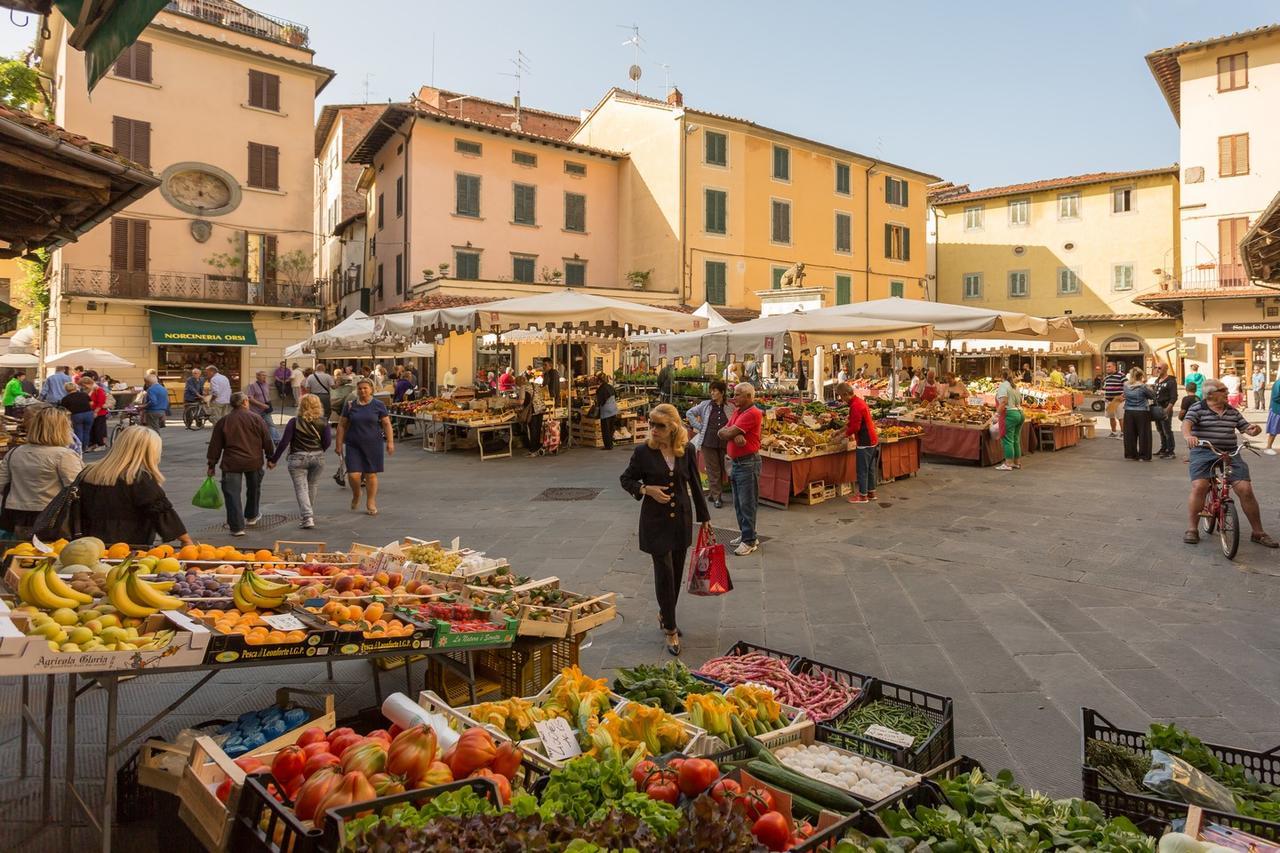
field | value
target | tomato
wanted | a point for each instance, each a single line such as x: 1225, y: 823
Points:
x: 380, y: 734
x: 756, y: 802
x: 249, y: 764
x: 337, y: 733
x: 224, y: 790
x: 314, y: 748
x: 665, y: 790
x: 344, y: 742
x: 318, y: 761
x: 725, y: 789
x: 288, y: 763
x: 697, y: 775
x: 771, y: 830
x: 394, y: 730
x: 641, y: 772
x: 675, y: 763
x: 291, y: 786
x: 315, y: 734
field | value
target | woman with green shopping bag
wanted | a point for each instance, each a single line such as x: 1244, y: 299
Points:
x: 1009, y: 420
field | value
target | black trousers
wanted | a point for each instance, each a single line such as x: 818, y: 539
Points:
x: 607, y: 426
x: 668, y: 576
x: 1137, y: 435
x: 1164, y: 426
x: 98, y: 433
x: 533, y: 432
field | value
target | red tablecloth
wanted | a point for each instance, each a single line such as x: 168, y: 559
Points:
x: 900, y: 458
x: 780, y: 478
x: 977, y: 445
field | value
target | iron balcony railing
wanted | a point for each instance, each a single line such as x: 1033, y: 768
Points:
x: 187, y: 287
x: 233, y: 16
x: 1211, y: 276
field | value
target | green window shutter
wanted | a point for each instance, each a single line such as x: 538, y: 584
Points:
x: 525, y: 204
x: 906, y: 243
x: 715, y: 282
x: 888, y: 241
x: 777, y: 277
x: 716, y: 213
x: 903, y: 190
x: 896, y: 288
x: 888, y: 190
x: 844, y: 284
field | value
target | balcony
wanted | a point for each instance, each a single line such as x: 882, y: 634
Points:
x: 185, y: 287
x: 1209, y: 277
x: 233, y: 16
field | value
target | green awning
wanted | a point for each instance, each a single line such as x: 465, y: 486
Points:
x: 105, y: 28
x: 202, y: 327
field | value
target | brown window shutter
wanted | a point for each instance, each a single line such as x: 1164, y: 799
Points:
x: 142, y: 142
x: 255, y: 164
x: 138, y: 245
x: 122, y: 136
x: 269, y: 258
x: 1242, y: 154
x: 1224, y: 156
x: 256, y: 88
x: 1224, y: 73
x: 124, y: 64
x: 119, y: 243
x: 142, y: 61
x: 271, y: 92
x: 271, y: 167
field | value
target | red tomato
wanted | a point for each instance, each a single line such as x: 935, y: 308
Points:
x: 249, y: 764
x: 224, y: 790
x: 394, y: 730
x: 771, y: 830
x: 697, y: 775
x: 314, y: 748
x: 319, y: 760
x: 344, y: 742
x: 337, y: 733
x: 288, y: 763
x: 291, y: 786
x: 381, y: 734
x: 664, y: 789
x: 756, y: 802
x: 641, y: 772
x: 315, y: 734
x: 725, y: 789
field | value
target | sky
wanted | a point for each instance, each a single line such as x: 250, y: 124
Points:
x: 984, y: 93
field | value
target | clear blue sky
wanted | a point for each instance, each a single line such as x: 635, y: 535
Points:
x: 984, y: 93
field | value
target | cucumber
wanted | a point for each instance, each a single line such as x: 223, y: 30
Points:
x: 755, y: 748
x: 804, y: 807
x: 819, y: 793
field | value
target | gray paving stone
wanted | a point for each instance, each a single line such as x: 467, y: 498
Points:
x: 848, y: 646
x: 1059, y: 613
x: 981, y: 661
x: 1038, y: 737
x: 1072, y: 683
x: 1244, y: 706
x: 1156, y: 692
x: 1017, y: 628
x: 888, y: 612
x: 933, y: 596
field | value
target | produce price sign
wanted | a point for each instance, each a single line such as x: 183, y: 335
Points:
x: 558, y: 739
x: 284, y: 622
x: 888, y: 735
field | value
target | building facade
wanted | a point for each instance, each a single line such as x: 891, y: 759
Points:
x: 340, y: 220
x: 1223, y: 93
x: 717, y: 208
x: 1082, y: 247
x: 217, y: 267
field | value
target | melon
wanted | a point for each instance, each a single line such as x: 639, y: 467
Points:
x: 85, y: 551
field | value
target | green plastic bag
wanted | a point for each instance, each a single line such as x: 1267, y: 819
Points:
x: 208, y: 496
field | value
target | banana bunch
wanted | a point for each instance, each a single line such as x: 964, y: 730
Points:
x: 252, y: 592
x: 132, y: 596
x: 42, y: 587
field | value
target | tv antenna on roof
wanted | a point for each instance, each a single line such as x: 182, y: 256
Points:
x: 367, y: 78
x: 521, y: 63
x: 634, y: 71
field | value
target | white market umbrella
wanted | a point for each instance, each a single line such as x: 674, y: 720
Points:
x: 357, y: 336
x: 963, y: 321
x: 89, y: 357
x: 19, y: 359
x: 559, y: 310
x: 714, y: 318
x: 767, y: 335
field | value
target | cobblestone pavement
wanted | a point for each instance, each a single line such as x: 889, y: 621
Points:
x: 1022, y: 595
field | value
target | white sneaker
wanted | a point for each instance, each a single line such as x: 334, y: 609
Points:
x: 735, y: 542
x: 1269, y: 452
x: 307, y: 525
x: 237, y: 533
x: 252, y: 521
x: 746, y: 548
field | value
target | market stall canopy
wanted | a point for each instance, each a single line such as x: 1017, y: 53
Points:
x: 202, y: 327
x: 23, y: 340
x: 962, y: 321
x: 541, y: 336
x: 19, y: 359
x: 714, y: 319
x: 357, y: 337
x: 90, y: 358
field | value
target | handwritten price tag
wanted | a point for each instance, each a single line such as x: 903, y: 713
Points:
x: 558, y: 739
x: 284, y: 622
x: 889, y: 735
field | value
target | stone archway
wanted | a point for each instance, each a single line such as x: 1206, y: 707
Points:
x: 1127, y: 350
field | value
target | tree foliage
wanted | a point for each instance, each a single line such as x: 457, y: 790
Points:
x: 20, y: 85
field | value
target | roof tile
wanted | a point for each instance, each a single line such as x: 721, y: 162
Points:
x: 964, y: 194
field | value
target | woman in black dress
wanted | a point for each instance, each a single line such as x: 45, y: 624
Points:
x: 663, y: 475
x: 121, y: 499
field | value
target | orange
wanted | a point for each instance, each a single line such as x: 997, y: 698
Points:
x: 238, y: 629
x: 256, y: 639
x: 118, y: 551
x: 207, y: 552
x: 262, y: 554
x: 188, y: 552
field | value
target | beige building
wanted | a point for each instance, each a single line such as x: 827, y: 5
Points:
x: 340, y: 221
x: 217, y: 267
x: 1083, y: 247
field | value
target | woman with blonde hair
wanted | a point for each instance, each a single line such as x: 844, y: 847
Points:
x: 121, y: 499
x: 36, y: 471
x: 306, y: 437
x: 1138, y: 398
x: 663, y: 475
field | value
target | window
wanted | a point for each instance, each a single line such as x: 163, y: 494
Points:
x: 466, y: 265
x: 379, y: 288
x: 717, y: 202
x: 844, y: 233
x: 1068, y: 281
x: 524, y: 158
x: 777, y: 273
x: 1122, y: 200
x: 781, y: 221
x: 399, y: 196
x: 843, y: 183
x: 522, y: 267
x: 465, y: 146
x: 897, y: 288
x: 132, y: 138
x: 1069, y: 206
x: 897, y: 242
x: 973, y: 218
x: 575, y: 212
x: 574, y: 168
x: 844, y: 286
x: 135, y: 62
x: 1233, y: 155
x: 715, y: 149
x: 1122, y: 277
x: 399, y: 273
x: 468, y: 195
x: 264, y: 91
x: 1019, y: 283
x: 129, y: 245
x: 1019, y: 211
x: 973, y: 285
x: 575, y: 273
x: 1233, y: 72
x: 525, y: 204
x: 381, y: 210
x: 715, y: 282
x: 264, y: 166
x: 781, y: 163
x: 895, y: 191
x: 260, y: 257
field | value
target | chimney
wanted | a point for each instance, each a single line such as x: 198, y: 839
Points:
x: 675, y: 98
x: 430, y: 96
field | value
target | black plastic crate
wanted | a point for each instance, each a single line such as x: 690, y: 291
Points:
x: 808, y: 666
x: 334, y: 831
x: 1152, y: 813
x: 937, y: 748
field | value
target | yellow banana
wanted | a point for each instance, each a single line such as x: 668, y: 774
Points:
x: 42, y: 596
x: 58, y: 586
x: 113, y: 574
x: 118, y: 595
x: 266, y: 587
x: 242, y: 604
x: 161, y: 586
x: 143, y: 593
x: 258, y: 599
x: 24, y: 586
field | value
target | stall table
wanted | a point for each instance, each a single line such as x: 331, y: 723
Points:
x: 784, y: 475
x: 899, y: 457
x: 970, y: 442
x: 442, y: 435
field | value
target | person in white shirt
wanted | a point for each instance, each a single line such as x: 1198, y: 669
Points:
x: 219, y: 392
x: 450, y: 382
x: 296, y: 380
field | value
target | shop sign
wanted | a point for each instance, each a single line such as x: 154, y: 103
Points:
x: 1261, y: 326
x: 1124, y: 346
x: 1186, y: 346
x: 768, y: 343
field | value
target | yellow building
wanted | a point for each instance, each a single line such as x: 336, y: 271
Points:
x: 1083, y: 247
x: 717, y: 208
x: 216, y: 267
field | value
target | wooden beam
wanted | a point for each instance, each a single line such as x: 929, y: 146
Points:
x: 10, y: 228
x: 30, y: 160
x: 44, y: 187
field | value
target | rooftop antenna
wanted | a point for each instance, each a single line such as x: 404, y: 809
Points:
x: 521, y: 63
x: 367, y: 78
x: 634, y: 71
x: 433, y: 60
x: 666, y: 72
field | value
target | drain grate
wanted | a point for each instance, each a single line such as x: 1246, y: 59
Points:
x: 726, y: 534
x: 268, y: 521
x: 568, y: 494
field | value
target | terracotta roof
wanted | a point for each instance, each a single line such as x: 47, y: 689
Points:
x: 439, y: 300
x: 329, y: 116
x: 936, y: 192
x: 1049, y: 184
x: 1107, y: 318
x: 1168, y: 73
x: 1170, y: 301
x: 460, y: 105
x: 54, y: 131
x: 327, y: 74
x: 733, y: 315
x: 1260, y: 247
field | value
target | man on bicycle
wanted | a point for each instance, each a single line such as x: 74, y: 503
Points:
x: 193, y: 395
x: 1213, y: 421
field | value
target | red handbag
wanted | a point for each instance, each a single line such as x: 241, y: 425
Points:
x: 708, y: 571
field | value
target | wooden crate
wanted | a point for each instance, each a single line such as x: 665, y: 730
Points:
x: 1088, y: 429
x: 815, y: 493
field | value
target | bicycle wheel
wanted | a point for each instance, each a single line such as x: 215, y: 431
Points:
x: 189, y: 417
x: 1229, y: 530
x: 1209, y: 521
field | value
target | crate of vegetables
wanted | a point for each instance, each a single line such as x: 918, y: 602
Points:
x: 625, y: 728
x: 463, y: 625
x: 593, y: 612
x: 822, y: 692
x: 901, y: 725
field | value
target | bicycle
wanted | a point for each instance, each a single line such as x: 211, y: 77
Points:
x: 1219, y: 511
x: 127, y: 417
x: 195, y: 414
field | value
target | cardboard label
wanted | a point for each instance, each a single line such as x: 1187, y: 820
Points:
x: 889, y: 735
x: 558, y: 739
x: 456, y: 544
x: 284, y: 622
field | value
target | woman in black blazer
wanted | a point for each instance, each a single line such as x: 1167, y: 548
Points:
x: 663, y: 475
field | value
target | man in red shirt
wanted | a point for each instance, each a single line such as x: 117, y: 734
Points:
x: 861, y: 433
x: 742, y: 441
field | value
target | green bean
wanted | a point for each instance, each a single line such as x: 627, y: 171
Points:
x: 891, y: 715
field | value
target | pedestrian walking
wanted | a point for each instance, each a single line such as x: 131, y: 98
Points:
x: 306, y: 438
x: 320, y: 383
x: 242, y: 444
x: 1138, y: 398
x: 1273, y: 419
x: 530, y: 414
x: 157, y: 402
x: 1113, y: 393
x: 1198, y: 378
x: 363, y: 430
x: 219, y: 392
x: 1256, y: 382
x: 193, y: 397
x: 32, y: 474
x: 742, y: 440
x: 76, y: 401
x: 663, y: 476
x: 707, y: 419
x: 98, y: 398
x: 607, y: 408
x: 1009, y: 419
x: 860, y: 431
x: 1166, y: 390
x: 259, y: 394
x: 1232, y: 380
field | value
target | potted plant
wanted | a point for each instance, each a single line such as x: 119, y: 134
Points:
x: 294, y: 36
x: 639, y: 278
x: 551, y: 276
x: 444, y: 270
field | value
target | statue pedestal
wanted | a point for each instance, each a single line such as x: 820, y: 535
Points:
x: 784, y: 300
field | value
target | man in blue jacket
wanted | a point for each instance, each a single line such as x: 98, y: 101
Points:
x: 55, y: 386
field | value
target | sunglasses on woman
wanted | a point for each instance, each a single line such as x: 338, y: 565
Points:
x: 659, y: 424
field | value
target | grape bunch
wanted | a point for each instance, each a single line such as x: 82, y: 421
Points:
x: 192, y: 585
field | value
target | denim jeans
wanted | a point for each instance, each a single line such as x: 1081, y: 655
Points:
x: 305, y: 469
x: 82, y: 424
x: 271, y: 426
x: 866, y: 458
x: 746, y: 494
x: 237, y: 512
